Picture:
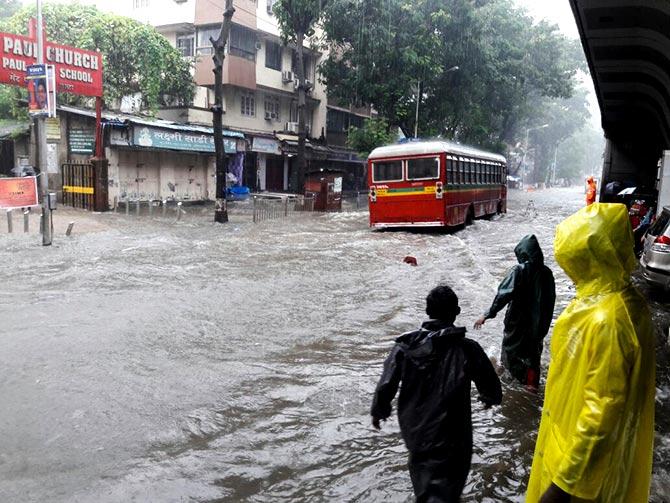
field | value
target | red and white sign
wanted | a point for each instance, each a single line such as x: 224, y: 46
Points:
x: 78, y: 71
x: 18, y: 192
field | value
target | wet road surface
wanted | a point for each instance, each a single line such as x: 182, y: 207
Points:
x: 173, y: 362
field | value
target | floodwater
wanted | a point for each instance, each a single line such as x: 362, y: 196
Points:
x: 181, y: 362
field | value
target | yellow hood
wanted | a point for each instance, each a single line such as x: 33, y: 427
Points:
x: 595, y: 248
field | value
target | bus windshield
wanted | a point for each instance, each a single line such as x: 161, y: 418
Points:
x: 423, y: 169
x: 387, y: 171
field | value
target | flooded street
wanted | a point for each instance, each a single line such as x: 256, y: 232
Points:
x: 173, y: 362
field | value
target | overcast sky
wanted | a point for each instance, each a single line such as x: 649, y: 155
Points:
x: 556, y: 11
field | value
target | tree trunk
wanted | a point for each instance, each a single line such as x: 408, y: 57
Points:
x: 300, y: 37
x: 220, y: 211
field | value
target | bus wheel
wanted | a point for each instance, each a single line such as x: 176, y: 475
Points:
x: 470, y: 216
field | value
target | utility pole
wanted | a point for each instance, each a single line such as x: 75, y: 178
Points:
x: 219, y: 45
x: 41, y: 143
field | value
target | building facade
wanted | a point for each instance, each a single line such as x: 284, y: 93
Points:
x: 259, y: 78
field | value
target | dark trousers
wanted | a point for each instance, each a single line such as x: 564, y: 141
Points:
x: 439, y: 476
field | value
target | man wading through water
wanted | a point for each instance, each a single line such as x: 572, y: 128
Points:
x: 436, y: 365
x: 530, y: 292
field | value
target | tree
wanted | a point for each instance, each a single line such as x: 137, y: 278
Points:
x: 564, y: 118
x: 374, y: 133
x: 377, y: 52
x: 297, y: 19
x: 219, y: 45
x: 379, y: 49
x: 136, y: 58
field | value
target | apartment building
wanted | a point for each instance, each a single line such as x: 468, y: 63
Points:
x: 259, y: 89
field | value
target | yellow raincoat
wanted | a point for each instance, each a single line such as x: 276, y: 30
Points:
x: 596, y: 435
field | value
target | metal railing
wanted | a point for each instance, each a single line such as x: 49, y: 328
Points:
x: 276, y: 207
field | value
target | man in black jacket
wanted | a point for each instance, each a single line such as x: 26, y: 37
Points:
x: 436, y: 365
x: 530, y: 292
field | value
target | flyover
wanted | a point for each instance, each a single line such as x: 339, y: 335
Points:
x: 627, y: 46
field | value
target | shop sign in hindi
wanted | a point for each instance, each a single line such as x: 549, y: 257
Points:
x: 18, y: 192
x: 81, y: 141
x: 150, y: 137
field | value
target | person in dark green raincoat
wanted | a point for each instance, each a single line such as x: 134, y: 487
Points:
x: 530, y: 293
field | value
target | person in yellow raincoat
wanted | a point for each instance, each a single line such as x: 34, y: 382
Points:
x: 595, y: 441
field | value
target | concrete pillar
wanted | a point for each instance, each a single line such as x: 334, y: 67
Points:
x: 664, y: 182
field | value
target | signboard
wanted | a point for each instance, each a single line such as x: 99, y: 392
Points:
x: 53, y: 129
x: 77, y: 71
x: 18, y: 192
x: 40, y: 89
x: 144, y: 136
x: 266, y: 146
x: 81, y: 141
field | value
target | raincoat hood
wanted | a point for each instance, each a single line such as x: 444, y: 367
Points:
x: 425, y: 342
x: 528, y: 250
x: 595, y: 248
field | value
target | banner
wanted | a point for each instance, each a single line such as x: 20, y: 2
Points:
x: 77, y: 71
x: 18, y: 192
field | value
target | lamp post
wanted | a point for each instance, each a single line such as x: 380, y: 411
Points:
x: 418, y: 100
x: 525, y: 151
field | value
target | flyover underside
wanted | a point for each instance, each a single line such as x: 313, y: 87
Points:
x: 627, y: 45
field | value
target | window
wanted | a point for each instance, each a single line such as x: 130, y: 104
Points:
x: 185, y: 44
x: 242, y: 42
x: 248, y: 102
x: 272, y: 55
x: 450, y: 172
x: 204, y: 45
x: 423, y: 169
x: 272, y: 108
x: 459, y: 170
x: 387, y: 171
x: 137, y: 4
x: 270, y: 5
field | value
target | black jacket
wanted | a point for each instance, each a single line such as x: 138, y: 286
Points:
x: 436, y: 365
x: 529, y: 292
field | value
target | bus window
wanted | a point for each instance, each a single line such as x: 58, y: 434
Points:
x: 450, y: 171
x: 387, y: 171
x: 488, y: 173
x: 423, y: 169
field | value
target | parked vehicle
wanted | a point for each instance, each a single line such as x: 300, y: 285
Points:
x: 655, y: 259
x: 434, y: 184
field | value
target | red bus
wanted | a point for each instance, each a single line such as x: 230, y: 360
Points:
x: 434, y: 184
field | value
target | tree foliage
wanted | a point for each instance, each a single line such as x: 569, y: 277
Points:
x: 136, y: 58
x: 380, y: 49
x: 374, y: 133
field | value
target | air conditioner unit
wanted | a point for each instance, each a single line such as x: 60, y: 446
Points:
x: 296, y: 83
x: 258, y: 45
x: 292, y: 127
x: 308, y: 85
x: 287, y: 76
x: 269, y: 116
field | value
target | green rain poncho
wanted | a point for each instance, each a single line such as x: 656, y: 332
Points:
x: 596, y: 435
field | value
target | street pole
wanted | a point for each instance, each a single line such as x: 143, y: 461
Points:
x: 41, y: 144
x: 416, y: 119
x: 525, y: 150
